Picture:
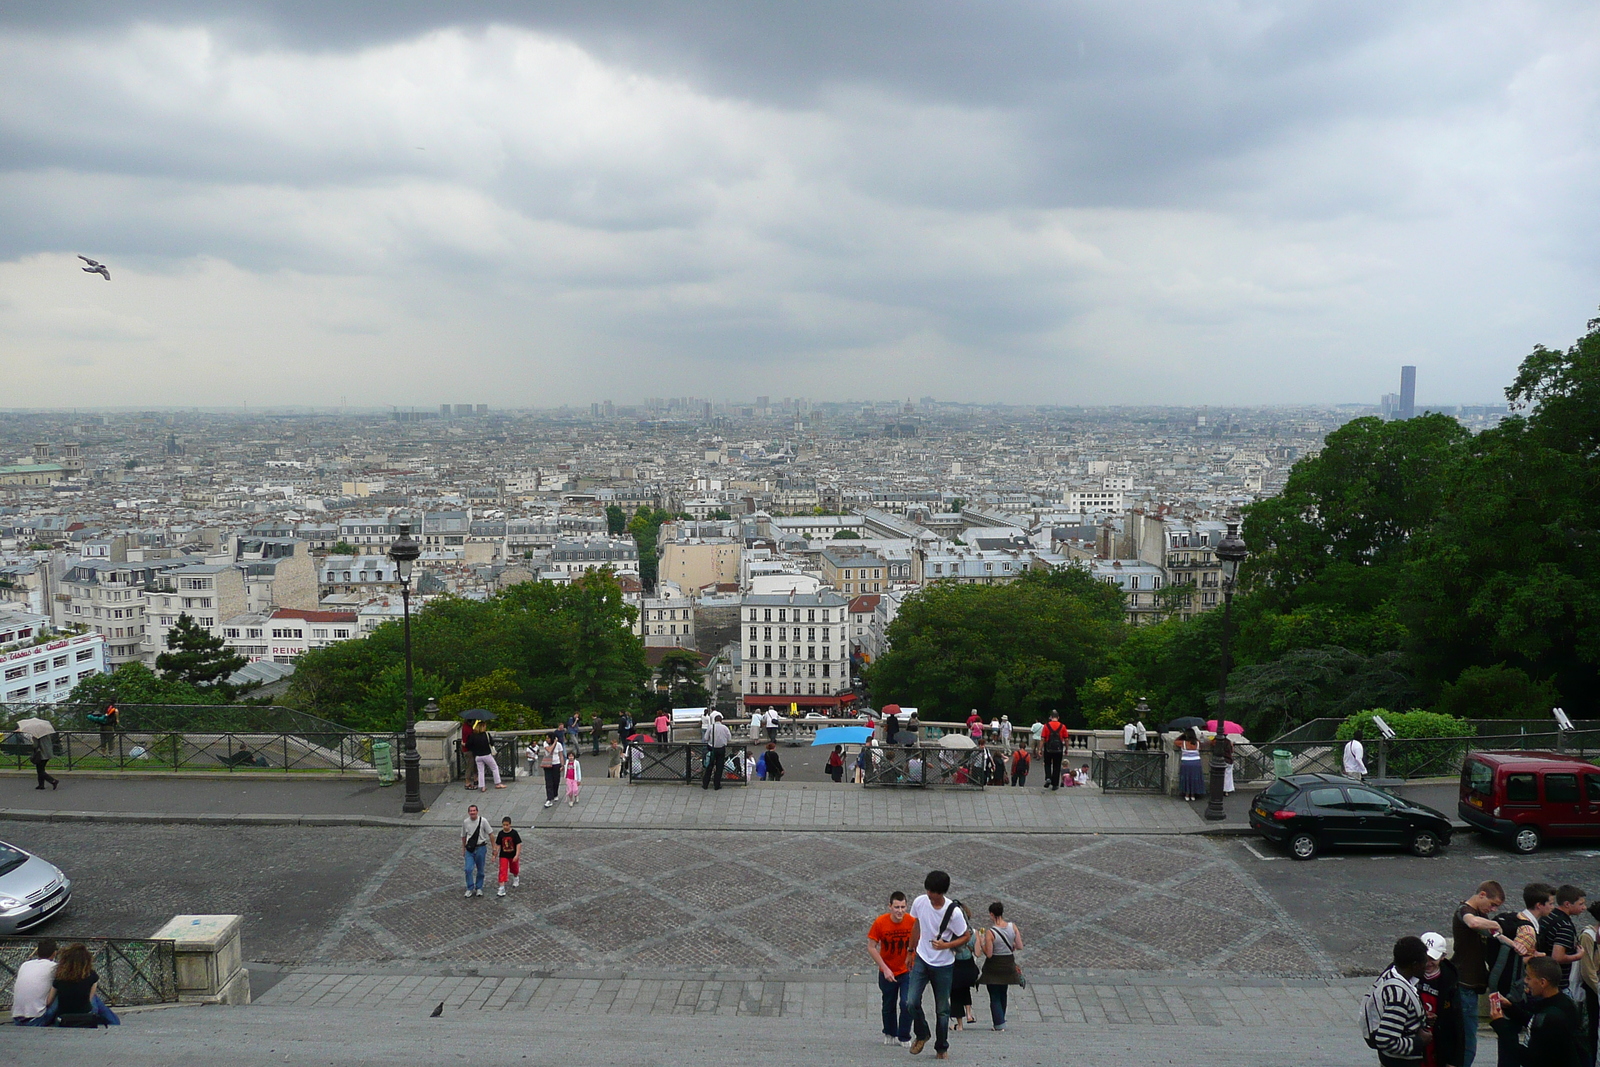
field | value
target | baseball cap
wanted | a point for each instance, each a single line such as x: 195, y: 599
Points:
x: 1435, y: 945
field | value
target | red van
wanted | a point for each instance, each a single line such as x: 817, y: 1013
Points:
x: 1525, y: 798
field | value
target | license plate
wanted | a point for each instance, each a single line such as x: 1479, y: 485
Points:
x: 1261, y: 812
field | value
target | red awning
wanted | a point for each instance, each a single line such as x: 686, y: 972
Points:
x: 778, y: 700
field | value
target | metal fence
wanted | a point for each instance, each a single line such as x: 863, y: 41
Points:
x: 679, y: 761
x: 1403, y: 757
x: 132, y: 970
x: 929, y: 766
x: 90, y: 750
x: 1130, y: 771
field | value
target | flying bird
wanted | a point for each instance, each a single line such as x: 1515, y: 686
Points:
x: 436, y: 1012
x: 96, y: 268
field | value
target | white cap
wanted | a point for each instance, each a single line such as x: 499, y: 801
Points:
x: 1435, y: 944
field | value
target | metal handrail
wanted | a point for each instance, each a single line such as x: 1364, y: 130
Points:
x: 221, y: 751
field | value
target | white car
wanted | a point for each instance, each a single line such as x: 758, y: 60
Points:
x: 32, y: 891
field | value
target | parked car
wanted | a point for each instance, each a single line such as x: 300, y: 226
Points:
x: 32, y: 890
x: 1309, y: 812
x: 1524, y: 798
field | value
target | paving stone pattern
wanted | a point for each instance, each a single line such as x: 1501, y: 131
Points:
x: 726, y: 901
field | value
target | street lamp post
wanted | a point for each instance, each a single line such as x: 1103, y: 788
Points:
x: 1230, y: 552
x: 404, y: 552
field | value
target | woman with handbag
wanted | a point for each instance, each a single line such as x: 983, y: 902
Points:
x: 963, y: 977
x: 999, y: 944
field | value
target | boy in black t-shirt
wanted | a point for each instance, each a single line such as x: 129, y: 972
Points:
x: 508, y: 846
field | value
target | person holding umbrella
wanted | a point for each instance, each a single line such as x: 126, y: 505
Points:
x: 40, y: 732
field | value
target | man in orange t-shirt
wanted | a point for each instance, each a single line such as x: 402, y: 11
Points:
x: 889, y: 945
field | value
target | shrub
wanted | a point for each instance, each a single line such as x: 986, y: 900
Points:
x: 1426, y: 742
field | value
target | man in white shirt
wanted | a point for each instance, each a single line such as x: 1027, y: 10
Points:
x: 718, y: 737
x: 475, y: 835
x: 1355, y: 759
x: 1130, y: 734
x: 772, y: 725
x: 30, y: 993
x: 940, y: 929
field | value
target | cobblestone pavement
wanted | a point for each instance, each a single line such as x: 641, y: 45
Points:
x: 707, y: 902
x: 819, y: 806
x: 1273, y: 1028
x: 288, y: 882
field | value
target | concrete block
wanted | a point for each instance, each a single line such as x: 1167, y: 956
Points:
x: 210, y: 958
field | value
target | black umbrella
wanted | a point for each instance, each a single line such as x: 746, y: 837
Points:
x: 1180, y: 725
x: 477, y: 715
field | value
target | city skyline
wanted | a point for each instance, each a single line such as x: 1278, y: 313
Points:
x: 1070, y: 205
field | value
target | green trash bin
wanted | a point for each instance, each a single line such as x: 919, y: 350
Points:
x: 383, y: 760
x: 1281, y: 765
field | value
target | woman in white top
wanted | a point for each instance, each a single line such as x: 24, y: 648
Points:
x: 999, y: 942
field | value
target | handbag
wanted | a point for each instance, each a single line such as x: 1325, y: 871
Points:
x: 999, y: 970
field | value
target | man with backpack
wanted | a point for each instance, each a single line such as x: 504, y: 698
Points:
x: 1544, y: 1030
x: 1054, y: 737
x: 1392, y: 1019
x: 940, y: 929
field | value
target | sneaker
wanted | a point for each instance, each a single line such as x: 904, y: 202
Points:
x: 501, y: 891
x: 890, y: 1039
x: 478, y: 893
x: 469, y: 892
x: 516, y: 880
x: 906, y: 1043
x: 549, y: 803
x: 917, y: 1046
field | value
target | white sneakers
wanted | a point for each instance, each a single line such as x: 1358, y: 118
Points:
x: 469, y: 892
x: 549, y: 803
x: 516, y: 880
x: 502, y: 890
x: 479, y: 893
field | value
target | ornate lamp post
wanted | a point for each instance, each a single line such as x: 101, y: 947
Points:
x: 404, y: 552
x: 1230, y: 553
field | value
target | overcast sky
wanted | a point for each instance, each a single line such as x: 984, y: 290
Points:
x: 1114, y: 202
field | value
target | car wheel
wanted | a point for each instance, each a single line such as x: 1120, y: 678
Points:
x: 1424, y: 843
x: 1526, y: 839
x: 1303, y: 845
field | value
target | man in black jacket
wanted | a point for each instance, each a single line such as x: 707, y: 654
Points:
x: 1544, y: 1030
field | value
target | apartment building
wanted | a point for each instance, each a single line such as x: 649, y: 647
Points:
x: 796, y: 651
x: 1140, y: 583
x: 853, y: 571
x: 358, y: 576
x: 39, y: 665
x: 110, y: 598
x: 1184, y: 548
x: 206, y: 592
x: 667, y: 619
x: 574, y: 557
x: 283, y: 634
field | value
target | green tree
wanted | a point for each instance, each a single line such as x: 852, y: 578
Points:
x: 616, y: 522
x: 344, y: 548
x: 1022, y: 649
x: 722, y: 513
x: 846, y: 535
x: 498, y: 693
x: 196, y: 657
x: 1497, y: 692
x: 134, y: 683
x: 680, y: 675
x: 1310, y: 683
x: 645, y: 526
x: 606, y: 660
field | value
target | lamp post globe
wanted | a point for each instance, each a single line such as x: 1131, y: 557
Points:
x: 404, y: 553
x: 1231, y: 551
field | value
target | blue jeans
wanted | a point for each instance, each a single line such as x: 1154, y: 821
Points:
x: 896, y: 1019
x: 1468, y: 998
x: 97, y: 1004
x: 922, y: 975
x: 473, y: 862
x: 997, y: 1005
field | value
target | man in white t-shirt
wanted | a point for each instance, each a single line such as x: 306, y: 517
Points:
x: 772, y: 725
x: 941, y: 929
x: 1355, y: 759
x: 1130, y: 735
x: 30, y: 993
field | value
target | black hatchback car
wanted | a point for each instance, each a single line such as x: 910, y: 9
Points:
x: 1308, y: 812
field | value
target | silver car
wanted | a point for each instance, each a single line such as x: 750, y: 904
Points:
x: 32, y: 891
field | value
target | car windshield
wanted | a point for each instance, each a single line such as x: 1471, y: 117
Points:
x: 1480, y: 778
x: 11, y: 858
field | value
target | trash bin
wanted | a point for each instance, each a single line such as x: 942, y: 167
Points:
x: 1281, y: 765
x: 383, y: 760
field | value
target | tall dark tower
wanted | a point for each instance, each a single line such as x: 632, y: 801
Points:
x: 1408, y: 392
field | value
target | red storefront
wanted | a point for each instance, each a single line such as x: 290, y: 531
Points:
x: 812, y: 702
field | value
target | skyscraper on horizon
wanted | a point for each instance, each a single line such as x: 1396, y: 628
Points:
x: 1408, y: 392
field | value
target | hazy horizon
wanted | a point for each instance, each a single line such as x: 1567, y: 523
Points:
x: 540, y: 204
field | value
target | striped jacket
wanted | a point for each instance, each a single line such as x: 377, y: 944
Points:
x: 1399, y: 1017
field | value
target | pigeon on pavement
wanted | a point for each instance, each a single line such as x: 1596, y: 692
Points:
x: 436, y: 1012
x: 96, y: 268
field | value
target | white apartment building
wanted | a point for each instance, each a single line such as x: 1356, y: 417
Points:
x: 983, y: 567
x: 666, y: 620
x: 111, y: 599
x: 1139, y: 582
x: 286, y: 633
x: 1094, y: 500
x: 574, y: 557
x: 358, y: 576
x: 38, y: 666
x: 206, y: 592
x: 796, y: 651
